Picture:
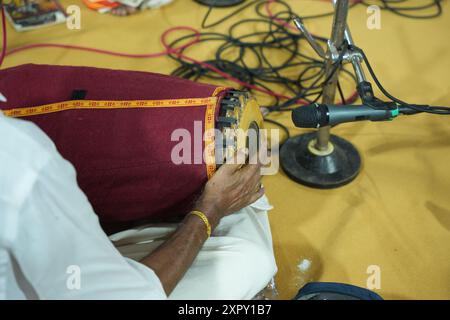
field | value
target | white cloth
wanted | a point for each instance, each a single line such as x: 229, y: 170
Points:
x: 48, y: 228
x: 52, y: 246
x: 236, y: 262
x: 145, y: 4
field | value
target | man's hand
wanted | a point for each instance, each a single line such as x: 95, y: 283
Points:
x: 233, y: 187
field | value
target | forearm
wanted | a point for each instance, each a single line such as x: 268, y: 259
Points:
x: 232, y: 188
x: 171, y: 260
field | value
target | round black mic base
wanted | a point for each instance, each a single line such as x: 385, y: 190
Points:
x: 220, y: 3
x: 324, y: 170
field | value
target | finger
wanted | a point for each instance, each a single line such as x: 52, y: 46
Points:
x: 248, y: 200
x: 249, y: 184
x: 236, y: 162
x: 253, y: 183
x: 250, y: 180
x: 256, y: 196
x: 250, y: 170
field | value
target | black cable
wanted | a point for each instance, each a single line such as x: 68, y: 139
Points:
x: 280, y: 125
x: 279, y: 62
x: 341, y: 93
x: 276, y: 52
x: 421, y: 108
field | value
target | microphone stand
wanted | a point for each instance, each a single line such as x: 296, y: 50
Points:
x: 320, y: 159
x: 329, y: 90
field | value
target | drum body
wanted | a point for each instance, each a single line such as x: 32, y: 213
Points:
x: 117, y: 129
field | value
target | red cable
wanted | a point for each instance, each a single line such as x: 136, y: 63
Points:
x: 114, y: 53
x: 169, y: 50
x: 272, y: 16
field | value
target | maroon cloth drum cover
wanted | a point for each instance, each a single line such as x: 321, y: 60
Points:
x: 122, y: 156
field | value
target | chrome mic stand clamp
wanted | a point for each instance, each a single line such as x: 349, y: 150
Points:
x: 320, y: 159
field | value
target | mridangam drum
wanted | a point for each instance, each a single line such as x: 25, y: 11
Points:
x: 125, y: 133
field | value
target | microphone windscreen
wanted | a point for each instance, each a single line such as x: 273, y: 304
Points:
x: 306, y: 116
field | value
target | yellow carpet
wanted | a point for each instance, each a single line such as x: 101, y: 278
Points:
x: 395, y: 215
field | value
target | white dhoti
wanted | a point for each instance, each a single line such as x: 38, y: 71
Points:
x: 236, y: 262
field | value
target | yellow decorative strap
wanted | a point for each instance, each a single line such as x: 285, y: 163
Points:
x: 209, y: 102
x: 202, y: 216
x: 106, y: 104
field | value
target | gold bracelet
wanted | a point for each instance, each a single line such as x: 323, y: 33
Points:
x: 202, y: 216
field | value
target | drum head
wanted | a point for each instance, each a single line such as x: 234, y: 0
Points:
x: 240, y: 121
x: 250, y: 123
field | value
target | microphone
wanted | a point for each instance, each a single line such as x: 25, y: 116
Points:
x: 321, y: 115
